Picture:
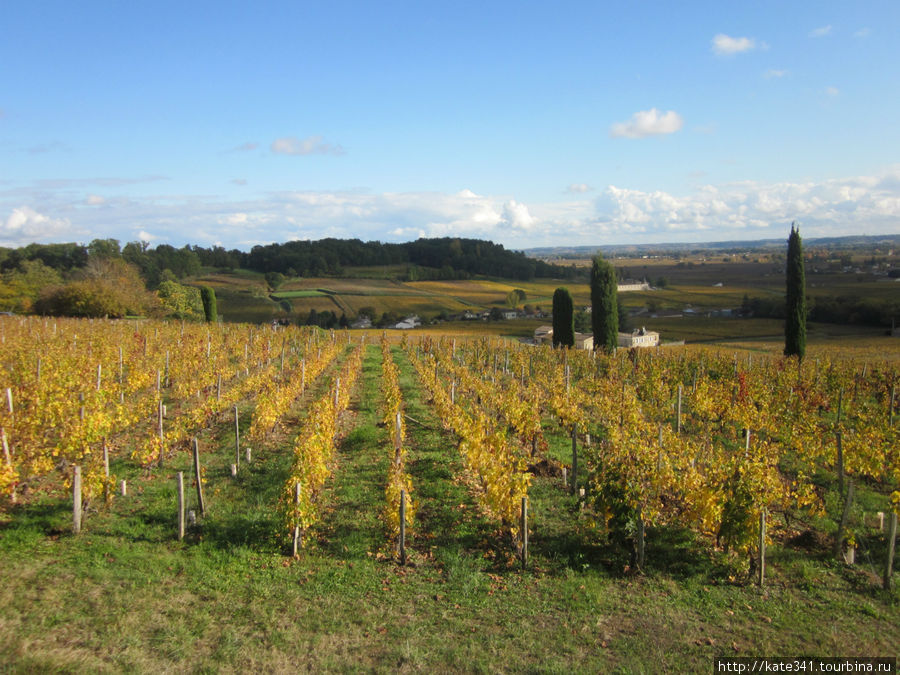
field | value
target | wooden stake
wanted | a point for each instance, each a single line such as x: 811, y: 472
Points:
x: 297, y: 541
x: 6, y: 454
x: 76, y: 501
x: 180, y: 505
x: 574, y: 458
x: 640, y: 540
x: 403, y: 527
x: 762, y: 548
x: 678, y: 413
x: 524, y: 529
x: 123, y: 488
x: 99, y: 375
x: 237, y: 438
x: 197, y: 476
x: 891, y: 408
x: 9, y: 401
x: 162, y: 438
x: 839, y: 464
x: 219, y: 387
x: 106, y: 468
x: 892, y: 542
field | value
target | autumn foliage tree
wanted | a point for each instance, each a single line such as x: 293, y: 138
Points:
x: 107, y: 287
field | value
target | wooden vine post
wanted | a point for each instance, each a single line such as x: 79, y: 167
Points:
x: 403, y: 527
x: 162, y: 437
x: 76, y: 501
x: 237, y: 438
x: 197, y: 475
x: 641, y: 540
x: 297, y: 542
x: 762, y: 548
x: 892, y: 543
x: 574, y: 458
x: 180, y: 479
x: 678, y: 414
x: 524, y: 528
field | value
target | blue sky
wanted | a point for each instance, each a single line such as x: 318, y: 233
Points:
x: 566, y: 123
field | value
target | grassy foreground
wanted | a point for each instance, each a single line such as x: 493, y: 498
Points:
x: 125, y: 595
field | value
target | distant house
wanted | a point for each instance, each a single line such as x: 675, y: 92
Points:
x: 362, y: 322
x: 633, y: 285
x: 543, y: 334
x: 640, y: 337
x: 510, y: 314
x: 584, y: 341
x: 469, y: 316
x: 412, y: 321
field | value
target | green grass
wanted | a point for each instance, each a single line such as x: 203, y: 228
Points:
x: 126, y: 596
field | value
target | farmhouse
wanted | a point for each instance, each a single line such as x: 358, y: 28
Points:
x: 640, y: 337
x: 632, y: 285
x: 584, y: 341
x: 543, y: 334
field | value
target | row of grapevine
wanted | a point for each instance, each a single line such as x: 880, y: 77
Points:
x: 313, y: 450
x: 500, y: 470
x: 398, y: 480
x: 74, y: 387
x: 706, y: 441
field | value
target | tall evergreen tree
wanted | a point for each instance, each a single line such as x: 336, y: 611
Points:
x: 604, y: 305
x: 208, y: 296
x: 563, y: 318
x: 795, y: 321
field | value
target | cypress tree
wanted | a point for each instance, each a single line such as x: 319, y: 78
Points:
x: 604, y: 306
x: 208, y: 296
x: 563, y: 318
x: 795, y: 322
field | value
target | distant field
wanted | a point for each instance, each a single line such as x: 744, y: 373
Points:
x: 244, y: 296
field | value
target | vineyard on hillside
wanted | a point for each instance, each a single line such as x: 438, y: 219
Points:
x: 525, y: 457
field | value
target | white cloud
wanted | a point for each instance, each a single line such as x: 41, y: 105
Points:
x: 95, y: 200
x: 862, y: 33
x: 578, y: 188
x: 409, y: 233
x: 822, y: 31
x: 647, y: 123
x: 615, y: 214
x: 725, y: 45
x: 516, y: 215
x: 832, y: 91
x: 25, y: 225
x: 774, y: 73
x: 234, y: 219
x: 311, y: 145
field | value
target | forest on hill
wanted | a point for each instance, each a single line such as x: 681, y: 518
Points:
x: 103, y: 278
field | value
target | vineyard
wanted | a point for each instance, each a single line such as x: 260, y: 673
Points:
x: 189, y: 496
